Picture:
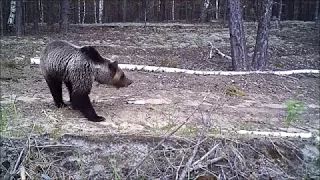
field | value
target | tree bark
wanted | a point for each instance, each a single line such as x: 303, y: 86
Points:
x: 124, y: 11
x: 260, y: 57
x: 173, y: 10
x: 83, y: 10
x: 105, y: 12
x: 1, y: 19
x: 37, y: 15
x: 76, y: 11
x: 316, y: 12
x: 19, y: 18
x: 163, y: 10
x: 217, y: 9
x: 12, y: 14
x: 64, y: 25
x: 237, y: 37
x: 280, y: 10
x: 144, y: 4
x: 204, y: 6
x: 41, y: 12
x: 89, y: 11
x: 296, y: 10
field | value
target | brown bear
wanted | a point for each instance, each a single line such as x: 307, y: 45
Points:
x: 77, y: 67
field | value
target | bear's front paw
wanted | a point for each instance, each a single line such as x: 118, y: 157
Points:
x: 61, y: 105
x: 97, y: 119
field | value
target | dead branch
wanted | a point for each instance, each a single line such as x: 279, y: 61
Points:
x: 278, y: 151
x: 195, y: 150
x: 164, y: 139
x: 177, y: 173
x: 207, y: 154
x: 223, y: 174
x: 19, y: 160
x: 217, y: 51
x: 22, y: 173
x: 209, y: 162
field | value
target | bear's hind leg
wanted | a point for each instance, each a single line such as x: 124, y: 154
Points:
x: 70, y: 90
x: 55, y: 86
x: 81, y: 101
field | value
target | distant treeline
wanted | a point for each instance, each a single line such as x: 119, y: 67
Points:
x: 103, y: 11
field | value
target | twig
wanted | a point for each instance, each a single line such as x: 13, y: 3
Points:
x: 238, y: 155
x: 218, y: 52
x: 286, y: 87
x: 22, y: 173
x: 164, y: 139
x: 18, y: 162
x: 195, y: 150
x: 209, y: 162
x: 207, y: 154
x: 283, y: 157
x: 177, y: 173
x: 223, y: 174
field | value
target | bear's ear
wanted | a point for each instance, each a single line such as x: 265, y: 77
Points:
x: 113, y: 66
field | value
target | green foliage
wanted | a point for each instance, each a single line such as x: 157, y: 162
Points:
x: 294, y: 110
x: 189, y: 130
x: 234, y: 91
x: 9, y: 64
x: 80, y: 164
x: 115, y: 172
x: 38, y: 129
x: 56, y: 133
x: 279, y: 65
x: 168, y: 127
x: 169, y: 63
x: 214, y: 130
x: 7, y: 113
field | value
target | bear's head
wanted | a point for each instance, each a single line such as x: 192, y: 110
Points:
x: 111, y: 74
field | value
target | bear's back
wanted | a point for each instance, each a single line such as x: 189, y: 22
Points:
x: 59, y: 57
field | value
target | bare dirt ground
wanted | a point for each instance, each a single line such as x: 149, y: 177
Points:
x: 169, y: 99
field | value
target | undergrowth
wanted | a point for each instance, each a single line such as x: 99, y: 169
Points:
x: 294, y: 110
x: 8, y: 113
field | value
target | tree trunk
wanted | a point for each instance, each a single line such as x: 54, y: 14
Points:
x: 279, y: 15
x: 94, y: 11
x: 237, y: 37
x: 217, y: 9
x: 280, y: 10
x: 41, y: 11
x: 260, y: 57
x: 64, y: 25
x: 124, y: 11
x: 173, y: 10
x: 296, y: 10
x: 145, y: 12
x: 186, y: 9
x: 49, y: 13
x: 13, y: 9
x: 163, y: 10
x: 37, y: 15
x: 316, y: 12
x: 1, y: 19
x: 83, y: 10
x: 225, y: 14
x: 105, y: 12
x: 19, y: 18
x: 100, y: 10
x: 204, y: 6
x: 89, y: 11
x: 75, y: 7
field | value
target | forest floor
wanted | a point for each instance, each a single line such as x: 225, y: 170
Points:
x: 112, y: 148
